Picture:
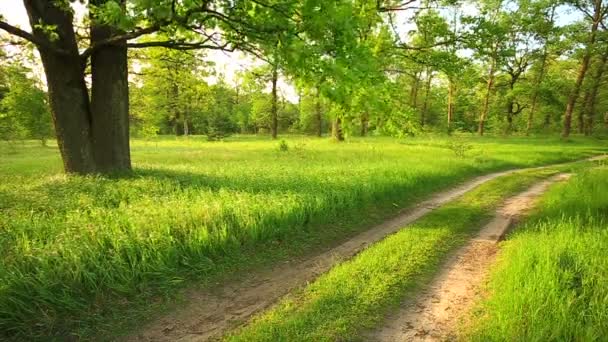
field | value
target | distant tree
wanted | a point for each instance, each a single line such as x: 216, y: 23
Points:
x: 25, y: 108
x: 595, y: 12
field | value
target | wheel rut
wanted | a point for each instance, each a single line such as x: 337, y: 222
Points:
x: 434, y: 314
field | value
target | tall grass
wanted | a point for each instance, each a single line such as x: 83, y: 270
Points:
x: 551, y: 283
x: 74, y: 249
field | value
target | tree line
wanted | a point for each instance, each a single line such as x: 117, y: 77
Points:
x: 135, y: 67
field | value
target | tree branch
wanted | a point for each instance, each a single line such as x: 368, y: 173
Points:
x: 15, y: 31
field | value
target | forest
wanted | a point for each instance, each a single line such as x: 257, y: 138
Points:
x: 303, y: 170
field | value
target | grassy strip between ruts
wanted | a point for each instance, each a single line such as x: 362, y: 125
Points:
x: 551, y: 281
x: 355, y: 295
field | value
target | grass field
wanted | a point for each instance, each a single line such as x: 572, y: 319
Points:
x: 357, y: 294
x: 551, y: 283
x: 77, y: 251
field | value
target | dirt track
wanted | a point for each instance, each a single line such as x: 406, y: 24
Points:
x: 434, y: 314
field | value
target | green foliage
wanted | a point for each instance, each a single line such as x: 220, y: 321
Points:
x: 24, y: 111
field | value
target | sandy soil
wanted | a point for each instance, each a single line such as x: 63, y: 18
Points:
x: 434, y: 314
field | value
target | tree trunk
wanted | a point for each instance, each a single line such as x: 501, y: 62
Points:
x: 582, y: 71
x: 450, y: 104
x: 425, y: 105
x: 337, y: 130
x: 68, y: 95
x: 186, y: 127
x: 486, y: 102
x: 364, y: 124
x: 319, y: 114
x: 414, y: 91
x: 275, y: 120
x: 109, y: 101
x: 591, y: 96
x: 540, y: 78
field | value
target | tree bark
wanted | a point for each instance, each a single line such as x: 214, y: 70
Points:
x: 68, y: 95
x: 364, y: 124
x: 275, y: 120
x: 591, y: 95
x: 414, y: 91
x: 425, y: 105
x: 450, y: 105
x: 109, y: 100
x: 336, y: 131
x: 582, y: 71
x: 319, y: 114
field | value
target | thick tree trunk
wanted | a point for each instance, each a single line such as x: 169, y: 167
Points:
x: 69, y: 100
x: 109, y: 101
x: 582, y: 71
x: 486, y: 102
x: 275, y: 120
x: 336, y: 130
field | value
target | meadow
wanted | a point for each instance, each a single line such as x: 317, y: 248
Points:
x: 551, y: 281
x: 81, y: 251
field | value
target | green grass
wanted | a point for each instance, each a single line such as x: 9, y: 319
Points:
x: 357, y: 294
x: 551, y: 281
x: 79, y: 251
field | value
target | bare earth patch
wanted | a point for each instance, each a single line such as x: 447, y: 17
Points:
x: 433, y: 315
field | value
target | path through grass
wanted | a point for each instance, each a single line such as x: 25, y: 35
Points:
x: 356, y: 295
x: 77, y: 250
x: 551, y: 282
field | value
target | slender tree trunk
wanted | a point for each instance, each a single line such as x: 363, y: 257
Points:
x: 540, y: 78
x: 580, y: 118
x: 318, y: 113
x: 535, y: 91
x: 450, y: 105
x: 425, y: 105
x: 364, y: 124
x: 591, y: 95
x: 509, y: 127
x: 337, y: 133
x: 186, y: 127
x: 68, y: 95
x: 582, y: 71
x: 109, y: 101
x: 414, y: 91
x: 486, y: 102
x: 275, y: 119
